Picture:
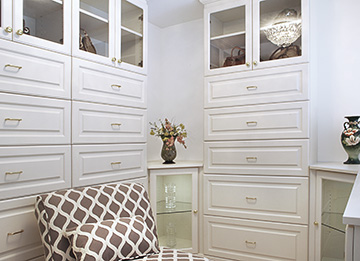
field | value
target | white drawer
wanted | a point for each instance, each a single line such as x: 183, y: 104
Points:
x: 94, y: 164
x: 95, y: 123
x: 276, y: 157
x: 288, y: 83
x: 283, y: 199
x: 30, y: 120
x: 42, y: 73
x: 19, y: 238
x: 99, y: 83
x: 248, y: 240
x: 31, y: 170
x: 271, y: 121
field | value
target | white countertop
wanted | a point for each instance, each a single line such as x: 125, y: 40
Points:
x: 177, y: 165
x: 336, y: 167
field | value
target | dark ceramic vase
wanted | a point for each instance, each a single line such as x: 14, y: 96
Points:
x: 168, y: 153
x: 350, y: 139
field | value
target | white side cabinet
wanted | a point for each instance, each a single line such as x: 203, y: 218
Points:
x: 174, y: 200
x: 330, y: 188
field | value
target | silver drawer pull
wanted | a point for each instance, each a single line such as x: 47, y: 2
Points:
x: 12, y: 119
x: 251, y: 198
x: 115, y: 124
x: 116, y: 85
x: 250, y: 242
x: 13, y: 66
x: 251, y: 88
x: 116, y: 163
x: 251, y: 158
x: 14, y: 173
x: 252, y: 123
x: 16, y: 232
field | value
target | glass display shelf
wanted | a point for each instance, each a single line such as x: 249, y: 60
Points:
x: 181, y: 207
x: 333, y: 221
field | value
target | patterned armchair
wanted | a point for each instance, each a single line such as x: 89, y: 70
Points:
x: 100, y: 217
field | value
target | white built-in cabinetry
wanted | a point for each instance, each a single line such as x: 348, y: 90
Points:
x: 256, y: 151
x: 68, y: 117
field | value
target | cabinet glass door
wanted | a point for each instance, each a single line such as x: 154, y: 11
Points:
x: 174, y: 210
x: 229, y: 37
x: 132, y: 30
x: 279, y: 34
x: 44, y: 23
x: 6, y: 27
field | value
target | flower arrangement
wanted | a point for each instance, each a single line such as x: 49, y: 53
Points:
x: 169, y: 132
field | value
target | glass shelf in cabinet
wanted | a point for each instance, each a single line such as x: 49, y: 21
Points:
x: 181, y: 207
x: 333, y: 220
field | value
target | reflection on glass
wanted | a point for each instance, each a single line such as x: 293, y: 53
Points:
x: 227, y: 38
x: 335, y: 195
x: 94, y: 27
x: 131, y: 34
x: 44, y: 19
x: 280, y: 29
x: 179, y: 215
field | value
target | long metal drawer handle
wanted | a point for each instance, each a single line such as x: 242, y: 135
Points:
x: 14, y: 173
x: 12, y: 119
x: 251, y: 198
x: 16, y: 232
x: 116, y: 163
x: 251, y: 158
x: 115, y: 124
x: 250, y: 242
x: 13, y: 66
x: 251, y: 88
x: 116, y: 85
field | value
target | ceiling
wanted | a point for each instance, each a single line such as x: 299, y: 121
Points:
x: 164, y: 13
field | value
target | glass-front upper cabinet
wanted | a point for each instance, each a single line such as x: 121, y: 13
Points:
x: 45, y: 24
x: 111, y: 32
x: 252, y: 34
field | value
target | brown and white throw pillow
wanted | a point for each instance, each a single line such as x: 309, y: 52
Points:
x: 123, y: 238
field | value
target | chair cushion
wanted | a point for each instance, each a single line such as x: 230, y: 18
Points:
x: 118, y: 239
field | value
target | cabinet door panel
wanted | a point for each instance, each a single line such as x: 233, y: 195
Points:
x: 283, y: 199
x: 107, y: 163
x: 20, y: 238
x: 28, y: 70
x: 104, y: 84
x: 281, y: 157
x: 93, y: 123
x: 6, y: 27
x: 34, y: 169
x: 257, y: 87
x: 249, y: 240
x: 275, y: 121
x: 30, y: 120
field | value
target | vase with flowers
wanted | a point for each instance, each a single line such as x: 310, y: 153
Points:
x: 169, y: 133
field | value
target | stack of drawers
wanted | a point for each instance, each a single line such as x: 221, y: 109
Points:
x: 256, y: 164
x: 65, y: 122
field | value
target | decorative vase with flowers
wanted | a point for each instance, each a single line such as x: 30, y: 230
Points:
x: 350, y: 139
x: 169, y: 133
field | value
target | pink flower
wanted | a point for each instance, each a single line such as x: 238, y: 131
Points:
x: 350, y: 131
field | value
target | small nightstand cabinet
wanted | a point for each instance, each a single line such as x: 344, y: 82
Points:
x: 256, y: 152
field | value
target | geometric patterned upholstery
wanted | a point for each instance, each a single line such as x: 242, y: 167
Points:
x: 61, y: 210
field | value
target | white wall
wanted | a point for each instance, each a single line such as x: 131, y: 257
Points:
x: 335, y: 71
x: 175, y: 85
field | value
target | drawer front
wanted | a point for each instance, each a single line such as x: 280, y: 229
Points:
x: 94, y: 123
x: 277, y: 157
x: 94, y: 164
x: 275, y: 121
x: 283, y: 84
x: 29, y: 70
x: 30, y: 120
x: 31, y: 170
x: 283, y: 199
x: 104, y: 84
x: 19, y: 238
x: 248, y: 240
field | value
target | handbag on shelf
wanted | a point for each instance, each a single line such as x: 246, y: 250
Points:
x: 235, y: 59
x: 86, y: 43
